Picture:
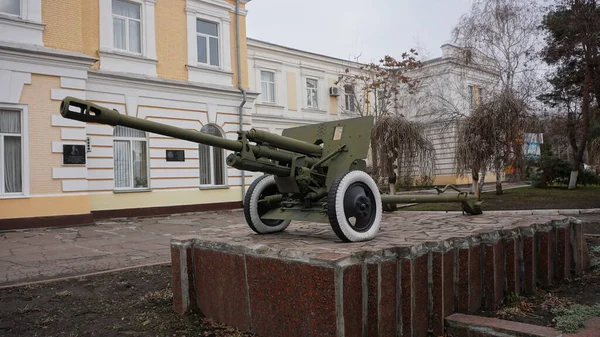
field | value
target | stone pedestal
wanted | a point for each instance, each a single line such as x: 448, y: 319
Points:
x: 420, y: 269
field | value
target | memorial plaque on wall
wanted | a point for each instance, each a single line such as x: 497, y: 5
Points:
x: 74, y: 154
x: 175, y: 155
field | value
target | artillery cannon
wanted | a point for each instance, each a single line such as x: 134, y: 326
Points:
x: 312, y: 173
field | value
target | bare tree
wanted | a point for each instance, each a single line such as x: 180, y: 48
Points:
x: 404, y: 143
x: 381, y: 90
x: 505, y: 31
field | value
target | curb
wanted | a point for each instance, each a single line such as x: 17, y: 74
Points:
x: 2, y: 287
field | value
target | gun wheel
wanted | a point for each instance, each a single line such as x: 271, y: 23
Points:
x: 354, y: 207
x: 253, y: 210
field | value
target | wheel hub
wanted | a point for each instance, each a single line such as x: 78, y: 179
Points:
x: 358, y: 204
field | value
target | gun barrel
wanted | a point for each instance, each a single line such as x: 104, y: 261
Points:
x: 84, y: 111
x: 285, y: 143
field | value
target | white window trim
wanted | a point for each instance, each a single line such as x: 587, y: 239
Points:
x: 305, y: 98
x: 224, y: 41
x: 134, y: 189
x: 275, y: 91
x: 23, y: 109
x: 25, y: 28
x: 127, y: 19
x: 217, y: 12
x: 211, y: 150
x: 208, y: 37
x: 148, y: 33
x: 349, y: 100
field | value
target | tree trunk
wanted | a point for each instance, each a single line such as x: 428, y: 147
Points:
x: 573, y: 179
x: 392, y: 189
x: 499, y: 183
x: 482, y: 182
x: 475, y: 183
x: 375, y: 159
x: 585, y: 116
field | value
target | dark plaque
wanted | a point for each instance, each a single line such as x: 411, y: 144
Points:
x: 74, y: 154
x: 175, y: 155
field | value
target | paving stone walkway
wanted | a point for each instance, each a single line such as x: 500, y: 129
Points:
x: 42, y: 254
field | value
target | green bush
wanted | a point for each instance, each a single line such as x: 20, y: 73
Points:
x: 586, y: 178
x: 550, y: 170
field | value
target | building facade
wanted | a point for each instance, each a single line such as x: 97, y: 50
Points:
x: 174, y: 62
x: 296, y: 89
x: 170, y: 61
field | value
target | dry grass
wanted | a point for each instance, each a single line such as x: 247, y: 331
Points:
x: 517, y: 307
x: 64, y: 293
x: 162, y: 295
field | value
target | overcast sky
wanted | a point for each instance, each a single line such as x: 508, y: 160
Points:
x: 349, y: 28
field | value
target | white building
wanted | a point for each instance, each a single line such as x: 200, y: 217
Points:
x: 295, y: 90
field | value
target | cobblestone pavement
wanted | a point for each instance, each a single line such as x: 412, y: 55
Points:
x: 41, y: 254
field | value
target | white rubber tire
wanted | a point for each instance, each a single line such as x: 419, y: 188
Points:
x: 251, y: 207
x: 335, y: 207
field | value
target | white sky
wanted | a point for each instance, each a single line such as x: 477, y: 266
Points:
x: 348, y: 28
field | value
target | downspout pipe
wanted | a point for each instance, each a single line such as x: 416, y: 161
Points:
x: 240, y: 87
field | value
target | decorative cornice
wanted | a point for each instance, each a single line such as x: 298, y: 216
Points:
x: 166, y: 85
x: 45, y: 55
x: 295, y: 53
x: 214, y: 3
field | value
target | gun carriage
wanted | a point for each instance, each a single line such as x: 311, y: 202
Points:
x: 312, y: 173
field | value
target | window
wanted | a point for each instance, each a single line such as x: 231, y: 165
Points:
x: 127, y: 32
x: 268, y: 86
x: 475, y: 96
x: 312, y: 98
x: 10, y: 7
x: 349, y: 98
x: 212, y: 163
x: 11, y: 152
x: 131, y: 158
x: 471, y: 97
x: 207, y: 35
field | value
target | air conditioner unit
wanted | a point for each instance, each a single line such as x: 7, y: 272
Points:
x: 334, y: 91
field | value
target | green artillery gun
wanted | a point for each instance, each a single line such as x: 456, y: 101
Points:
x: 312, y: 173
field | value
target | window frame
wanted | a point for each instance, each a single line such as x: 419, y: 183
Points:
x: 24, y: 134
x: 20, y: 15
x: 212, y: 166
x: 274, y: 92
x: 315, y: 89
x: 349, y: 99
x: 132, y: 188
x: 127, y: 19
x: 207, y: 37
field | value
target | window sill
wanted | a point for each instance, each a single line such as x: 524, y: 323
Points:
x: 127, y: 56
x: 214, y: 187
x: 202, y: 67
x: 315, y: 110
x: 141, y: 190
x: 14, y: 196
x: 270, y: 105
x: 14, y: 20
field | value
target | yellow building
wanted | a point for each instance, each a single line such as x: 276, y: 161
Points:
x: 171, y: 61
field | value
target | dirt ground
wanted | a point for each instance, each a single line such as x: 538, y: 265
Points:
x: 563, y: 306
x: 135, y: 302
